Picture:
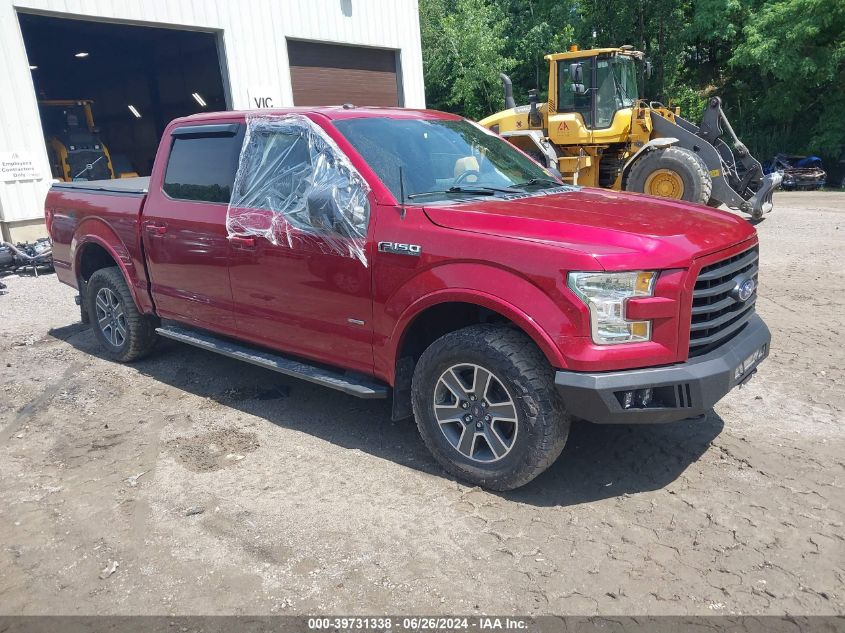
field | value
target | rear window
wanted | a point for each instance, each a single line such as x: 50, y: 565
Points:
x: 203, y: 167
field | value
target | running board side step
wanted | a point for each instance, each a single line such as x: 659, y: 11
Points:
x: 350, y: 383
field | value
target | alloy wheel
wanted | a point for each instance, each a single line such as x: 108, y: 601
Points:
x: 475, y: 412
x: 111, y: 318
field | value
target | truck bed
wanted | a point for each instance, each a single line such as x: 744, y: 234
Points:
x: 115, y: 208
x: 125, y: 186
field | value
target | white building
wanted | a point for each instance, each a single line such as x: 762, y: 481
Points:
x: 144, y: 62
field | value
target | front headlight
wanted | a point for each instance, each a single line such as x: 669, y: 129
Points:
x: 605, y: 295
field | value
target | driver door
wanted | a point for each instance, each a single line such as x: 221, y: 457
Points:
x: 299, y: 288
x: 569, y: 101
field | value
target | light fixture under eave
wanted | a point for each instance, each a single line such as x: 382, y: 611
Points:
x: 199, y: 99
x: 33, y: 67
x: 81, y: 54
x: 134, y: 111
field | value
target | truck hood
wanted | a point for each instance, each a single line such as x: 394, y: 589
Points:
x: 618, y: 229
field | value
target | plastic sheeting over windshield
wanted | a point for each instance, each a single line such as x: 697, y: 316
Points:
x: 294, y: 186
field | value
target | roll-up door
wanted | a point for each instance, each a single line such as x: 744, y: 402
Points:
x: 332, y: 74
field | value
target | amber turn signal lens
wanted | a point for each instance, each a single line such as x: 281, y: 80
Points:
x: 644, y: 282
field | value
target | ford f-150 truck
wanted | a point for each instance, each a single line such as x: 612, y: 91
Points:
x: 413, y: 255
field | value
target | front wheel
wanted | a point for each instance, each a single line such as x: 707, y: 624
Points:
x: 486, y: 406
x: 671, y: 172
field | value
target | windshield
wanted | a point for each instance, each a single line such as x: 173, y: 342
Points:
x: 625, y: 74
x: 442, y: 159
x: 617, y: 87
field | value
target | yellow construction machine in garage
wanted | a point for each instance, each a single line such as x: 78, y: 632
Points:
x: 73, y: 141
x: 597, y: 131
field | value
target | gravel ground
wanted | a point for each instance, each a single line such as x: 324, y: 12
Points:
x: 189, y: 483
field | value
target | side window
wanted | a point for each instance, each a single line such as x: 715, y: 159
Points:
x: 276, y: 171
x: 565, y: 96
x: 203, y: 168
x: 294, y: 185
x: 606, y: 103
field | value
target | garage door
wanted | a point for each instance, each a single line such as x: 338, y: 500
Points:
x: 329, y: 74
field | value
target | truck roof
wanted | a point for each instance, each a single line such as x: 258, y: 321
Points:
x: 330, y: 112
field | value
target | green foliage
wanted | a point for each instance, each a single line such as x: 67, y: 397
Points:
x: 536, y: 28
x: 797, y: 50
x: 779, y: 65
x: 691, y: 102
x: 463, y: 54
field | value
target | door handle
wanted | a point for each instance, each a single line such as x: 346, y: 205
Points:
x: 155, y: 229
x: 242, y: 241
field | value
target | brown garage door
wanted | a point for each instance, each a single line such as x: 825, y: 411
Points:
x: 329, y: 74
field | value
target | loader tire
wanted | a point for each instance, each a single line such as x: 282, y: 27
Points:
x: 122, y: 331
x: 671, y: 172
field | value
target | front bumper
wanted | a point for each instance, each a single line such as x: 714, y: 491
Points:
x: 678, y: 391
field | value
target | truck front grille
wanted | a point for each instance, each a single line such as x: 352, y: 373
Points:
x: 718, y: 314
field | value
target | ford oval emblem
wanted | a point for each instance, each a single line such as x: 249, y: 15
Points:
x: 744, y: 289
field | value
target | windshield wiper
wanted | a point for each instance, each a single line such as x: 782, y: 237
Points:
x: 623, y: 94
x: 539, y: 181
x: 474, y: 191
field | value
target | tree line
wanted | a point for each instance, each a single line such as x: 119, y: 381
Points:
x: 779, y: 65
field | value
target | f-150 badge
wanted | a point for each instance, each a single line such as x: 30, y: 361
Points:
x: 400, y: 249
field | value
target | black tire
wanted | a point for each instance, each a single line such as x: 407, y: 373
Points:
x: 697, y: 184
x: 523, y: 371
x: 138, y: 338
x: 711, y: 202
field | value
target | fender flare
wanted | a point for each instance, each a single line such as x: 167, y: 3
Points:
x: 116, y: 250
x: 482, y: 299
x: 655, y: 143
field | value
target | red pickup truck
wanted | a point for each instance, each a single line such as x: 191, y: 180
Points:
x: 413, y: 255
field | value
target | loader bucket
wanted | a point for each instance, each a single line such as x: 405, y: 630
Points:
x: 738, y: 180
x: 762, y: 201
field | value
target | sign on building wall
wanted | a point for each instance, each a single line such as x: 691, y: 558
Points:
x: 261, y: 97
x: 18, y: 166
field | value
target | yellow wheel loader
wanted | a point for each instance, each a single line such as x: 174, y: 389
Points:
x: 597, y: 131
x: 73, y: 141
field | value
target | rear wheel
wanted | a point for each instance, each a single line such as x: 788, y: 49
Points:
x: 671, y: 172
x: 486, y: 406
x: 123, y: 332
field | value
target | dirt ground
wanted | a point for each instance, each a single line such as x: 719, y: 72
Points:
x: 190, y: 483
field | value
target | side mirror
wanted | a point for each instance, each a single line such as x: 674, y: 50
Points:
x: 323, y: 211
x: 576, y: 73
x: 534, y: 118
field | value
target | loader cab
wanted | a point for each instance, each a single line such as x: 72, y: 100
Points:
x: 594, y: 86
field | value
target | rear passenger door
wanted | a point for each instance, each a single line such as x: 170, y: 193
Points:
x: 183, y: 224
